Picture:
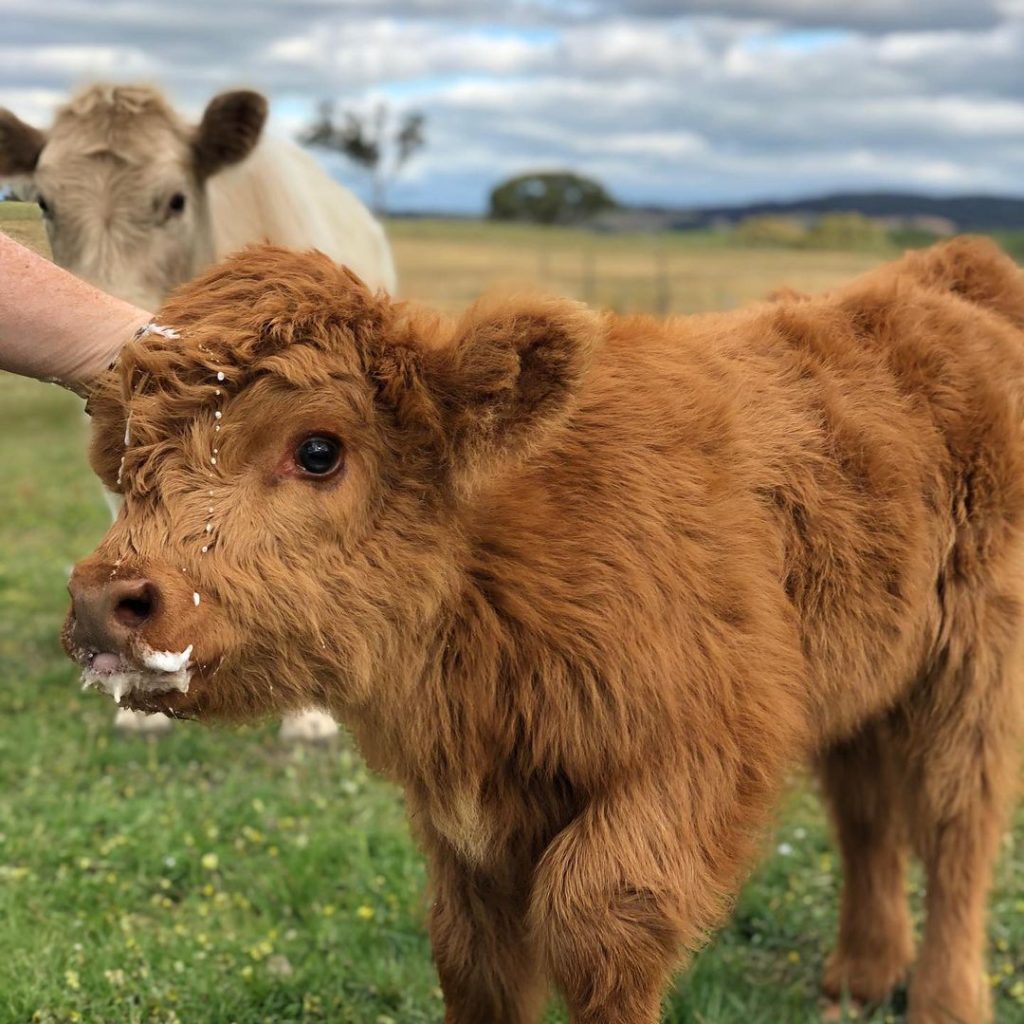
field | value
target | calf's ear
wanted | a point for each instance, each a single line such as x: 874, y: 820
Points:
x: 229, y: 131
x: 508, y: 378
x: 20, y: 146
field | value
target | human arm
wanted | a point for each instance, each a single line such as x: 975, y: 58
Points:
x: 54, y: 326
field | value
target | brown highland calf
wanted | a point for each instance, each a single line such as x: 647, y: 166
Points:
x: 588, y: 586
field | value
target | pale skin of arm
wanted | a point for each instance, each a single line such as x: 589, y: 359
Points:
x: 54, y: 326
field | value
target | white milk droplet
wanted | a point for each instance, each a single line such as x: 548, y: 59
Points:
x: 209, y: 527
x: 195, y: 599
x: 167, y: 661
x: 154, y: 328
x: 213, y: 462
x: 205, y: 549
x: 217, y: 415
x: 220, y: 376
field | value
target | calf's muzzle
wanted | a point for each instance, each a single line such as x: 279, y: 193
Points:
x: 108, y: 614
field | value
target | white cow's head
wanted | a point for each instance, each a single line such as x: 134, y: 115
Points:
x: 121, y: 180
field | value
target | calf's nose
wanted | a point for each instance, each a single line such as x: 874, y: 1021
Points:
x: 108, y: 614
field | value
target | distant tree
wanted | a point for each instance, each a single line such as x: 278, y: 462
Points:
x: 374, y: 140
x: 765, y: 229
x: 827, y: 231
x: 847, y: 231
x: 553, y: 197
x: 912, y: 237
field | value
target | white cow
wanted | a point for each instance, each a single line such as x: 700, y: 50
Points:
x: 137, y: 201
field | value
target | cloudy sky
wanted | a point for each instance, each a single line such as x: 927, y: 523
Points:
x: 679, y: 103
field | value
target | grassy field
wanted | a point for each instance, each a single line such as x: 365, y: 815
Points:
x: 214, y: 876
x: 449, y: 263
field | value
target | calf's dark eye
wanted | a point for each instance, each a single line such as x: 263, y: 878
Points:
x: 318, y: 456
x: 177, y: 202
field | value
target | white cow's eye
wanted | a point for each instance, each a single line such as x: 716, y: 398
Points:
x: 44, y: 206
x: 177, y: 202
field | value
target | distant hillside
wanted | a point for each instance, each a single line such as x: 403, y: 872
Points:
x: 967, y: 213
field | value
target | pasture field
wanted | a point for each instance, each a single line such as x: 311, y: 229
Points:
x: 449, y: 263
x: 214, y: 876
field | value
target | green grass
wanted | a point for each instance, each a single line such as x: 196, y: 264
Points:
x: 214, y: 876
x: 11, y: 210
x: 446, y: 231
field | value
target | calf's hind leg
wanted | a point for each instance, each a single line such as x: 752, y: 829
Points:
x: 965, y: 739
x: 863, y: 781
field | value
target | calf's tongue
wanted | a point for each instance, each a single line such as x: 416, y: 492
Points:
x: 161, y: 672
x: 103, y: 664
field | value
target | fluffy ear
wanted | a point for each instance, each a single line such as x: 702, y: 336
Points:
x: 229, y: 131
x: 20, y: 146
x: 508, y: 377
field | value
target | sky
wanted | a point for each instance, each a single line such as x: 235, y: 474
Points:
x: 692, y: 102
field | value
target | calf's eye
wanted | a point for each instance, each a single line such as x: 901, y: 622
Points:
x: 44, y: 206
x: 318, y: 456
x: 177, y: 202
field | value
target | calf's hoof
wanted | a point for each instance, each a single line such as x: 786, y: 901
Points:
x: 836, y: 1011
x: 138, y: 723
x: 308, y: 727
x: 935, y: 1001
x: 867, y: 981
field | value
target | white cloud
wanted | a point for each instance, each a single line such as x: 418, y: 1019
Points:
x: 863, y: 15
x: 670, y: 102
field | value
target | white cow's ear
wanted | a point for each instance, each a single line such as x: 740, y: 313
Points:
x: 20, y: 146
x: 229, y: 131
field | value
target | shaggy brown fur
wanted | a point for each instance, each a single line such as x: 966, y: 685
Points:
x: 587, y: 586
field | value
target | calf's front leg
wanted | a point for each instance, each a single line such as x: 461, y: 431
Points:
x: 610, y: 914
x: 486, y: 964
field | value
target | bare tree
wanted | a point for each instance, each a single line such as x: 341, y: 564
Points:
x: 376, y: 141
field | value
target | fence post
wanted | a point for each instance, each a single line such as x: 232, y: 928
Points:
x: 662, y: 281
x: 587, y: 275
